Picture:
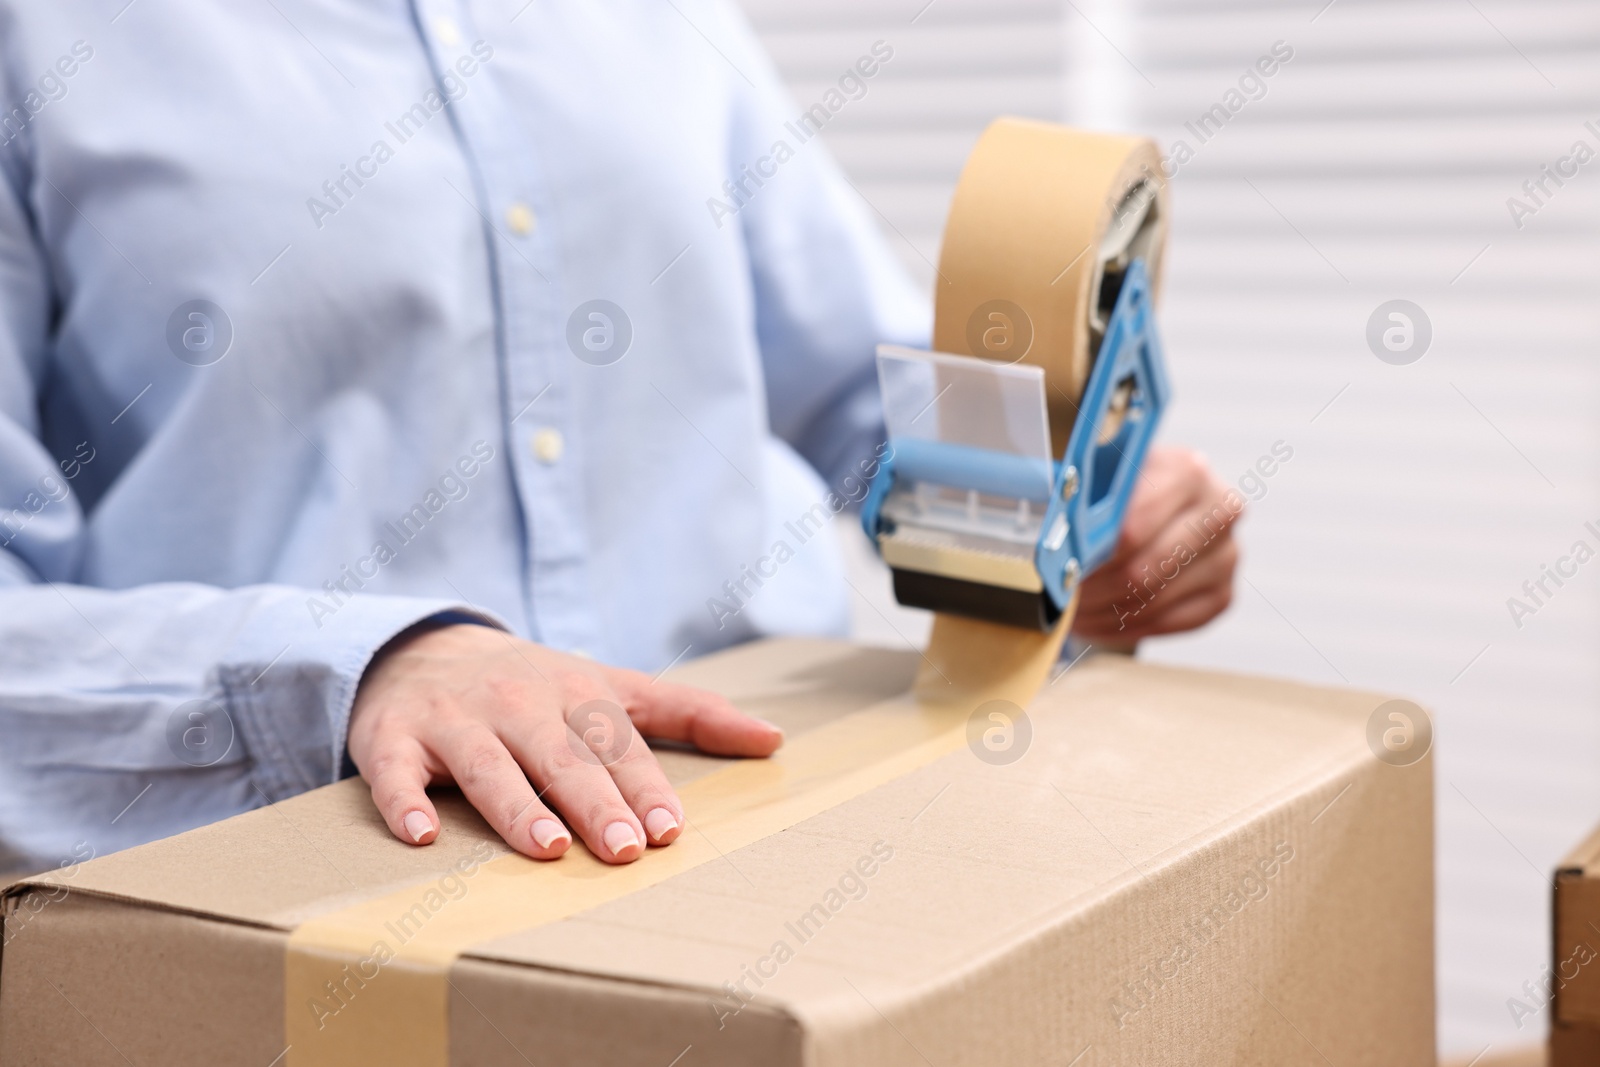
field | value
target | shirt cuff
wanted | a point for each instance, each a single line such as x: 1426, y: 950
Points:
x: 289, y: 680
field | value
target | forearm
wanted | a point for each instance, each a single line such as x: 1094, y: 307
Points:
x: 220, y: 700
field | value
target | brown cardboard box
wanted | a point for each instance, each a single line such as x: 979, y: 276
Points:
x: 1183, y: 868
x: 1574, y: 1045
x: 1574, y: 977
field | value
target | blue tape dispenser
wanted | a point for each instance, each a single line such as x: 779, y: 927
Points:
x: 972, y: 509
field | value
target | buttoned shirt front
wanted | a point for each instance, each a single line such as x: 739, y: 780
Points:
x: 322, y: 317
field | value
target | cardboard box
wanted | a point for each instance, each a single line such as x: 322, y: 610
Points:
x: 1574, y: 1045
x: 1574, y: 976
x: 1182, y: 868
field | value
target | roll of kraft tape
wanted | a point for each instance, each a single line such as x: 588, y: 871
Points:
x: 1030, y: 241
x: 1044, y: 221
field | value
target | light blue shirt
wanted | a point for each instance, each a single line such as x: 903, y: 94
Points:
x: 322, y: 317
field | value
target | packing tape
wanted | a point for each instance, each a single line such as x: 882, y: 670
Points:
x: 1033, y: 204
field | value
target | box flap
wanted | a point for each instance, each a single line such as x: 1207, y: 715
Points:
x: 1582, y: 861
x: 1131, y: 768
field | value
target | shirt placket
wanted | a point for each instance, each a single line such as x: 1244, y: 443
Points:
x: 512, y: 199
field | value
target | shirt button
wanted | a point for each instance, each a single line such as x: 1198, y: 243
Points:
x: 519, y: 217
x: 548, y: 444
x: 447, y: 32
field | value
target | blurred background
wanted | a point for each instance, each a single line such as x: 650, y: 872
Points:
x: 1384, y: 160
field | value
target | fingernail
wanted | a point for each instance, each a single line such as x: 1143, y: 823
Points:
x: 418, y: 825
x: 619, y: 837
x: 547, y: 832
x: 659, y: 823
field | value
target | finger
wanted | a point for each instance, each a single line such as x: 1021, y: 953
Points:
x: 1129, y: 610
x: 610, y: 739
x: 1180, y: 605
x: 698, y: 717
x: 494, y: 784
x: 1193, y: 537
x: 1168, y: 577
x: 1190, y: 532
x: 646, y: 790
x: 580, y: 787
x: 1187, y: 614
x: 1172, y: 481
x: 398, y: 777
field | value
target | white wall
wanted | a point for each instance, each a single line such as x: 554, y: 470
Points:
x: 1419, y: 499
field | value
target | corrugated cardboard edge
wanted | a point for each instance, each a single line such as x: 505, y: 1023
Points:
x: 1575, y: 1014
x: 247, y: 1026
x: 71, y: 991
x: 1581, y: 858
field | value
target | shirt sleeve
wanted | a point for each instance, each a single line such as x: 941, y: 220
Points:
x: 828, y: 290
x: 231, y: 697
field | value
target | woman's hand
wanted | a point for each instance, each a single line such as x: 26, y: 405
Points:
x: 1173, y: 568
x: 502, y: 717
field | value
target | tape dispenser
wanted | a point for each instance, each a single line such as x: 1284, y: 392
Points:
x: 976, y: 510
